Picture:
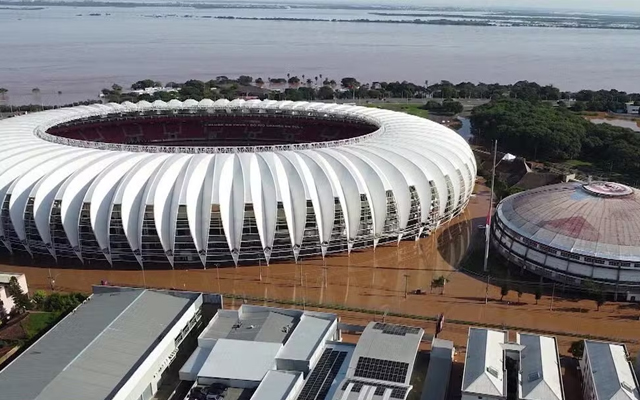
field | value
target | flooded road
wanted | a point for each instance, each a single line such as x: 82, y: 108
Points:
x: 376, y: 280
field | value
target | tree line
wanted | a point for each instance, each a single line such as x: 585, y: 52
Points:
x: 540, y: 131
x: 40, y: 301
x: 319, y: 87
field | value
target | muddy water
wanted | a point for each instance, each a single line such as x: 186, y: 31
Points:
x: 376, y: 280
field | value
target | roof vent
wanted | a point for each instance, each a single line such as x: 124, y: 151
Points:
x: 534, y: 376
x: 626, y: 387
x: 493, y: 371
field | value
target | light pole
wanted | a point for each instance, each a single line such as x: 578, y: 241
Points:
x: 507, y: 157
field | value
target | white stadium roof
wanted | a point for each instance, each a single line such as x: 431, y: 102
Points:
x: 404, y: 152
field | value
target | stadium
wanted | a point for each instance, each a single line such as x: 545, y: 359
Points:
x: 574, y: 231
x: 224, y: 182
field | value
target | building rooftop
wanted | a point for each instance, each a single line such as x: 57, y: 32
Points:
x: 240, y: 360
x: 436, y: 382
x: 247, y: 344
x: 382, y: 362
x: 97, y: 347
x: 277, y: 385
x: 484, y: 364
x: 600, y: 219
x: 541, y: 375
x: 306, y: 337
x: 5, y: 277
x: 612, y: 374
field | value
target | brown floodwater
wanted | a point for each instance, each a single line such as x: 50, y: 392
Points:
x: 375, y: 280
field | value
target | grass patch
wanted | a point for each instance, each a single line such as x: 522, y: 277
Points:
x: 413, y: 109
x: 36, y: 322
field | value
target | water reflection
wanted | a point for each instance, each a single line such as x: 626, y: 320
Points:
x: 465, y: 129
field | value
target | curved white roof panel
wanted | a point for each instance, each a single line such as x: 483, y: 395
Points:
x: 101, y: 198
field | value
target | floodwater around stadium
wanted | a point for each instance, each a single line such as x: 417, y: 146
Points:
x: 376, y: 280
x: 66, y: 50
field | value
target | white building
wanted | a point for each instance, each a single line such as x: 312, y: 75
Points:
x: 116, y: 345
x: 484, y: 368
x: 632, y: 109
x: 606, y: 372
x: 540, y: 376
x: 266, y: 353
x: 5, y: 277
x: 532, y: 362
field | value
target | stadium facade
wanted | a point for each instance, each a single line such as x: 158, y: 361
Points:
x: 572, y: 232
x: 224, y: 182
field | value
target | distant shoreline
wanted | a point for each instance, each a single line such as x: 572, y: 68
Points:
x: 418, y: 16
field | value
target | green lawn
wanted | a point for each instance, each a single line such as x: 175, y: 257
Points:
x: 413, y: 109
x: 36, y: 322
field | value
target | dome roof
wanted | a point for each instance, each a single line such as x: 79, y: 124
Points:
x: 600, y: 219
x: 404, y: 153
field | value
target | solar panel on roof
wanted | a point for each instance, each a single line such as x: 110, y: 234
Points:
x: 383, y: 370
x: 399, y: 330
x: 319, y: 382
x: 396, y: 392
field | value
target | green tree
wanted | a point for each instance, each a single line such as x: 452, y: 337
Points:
x: 577, y: 348
x: 143, y: 84
x: 326, y: 93
x: 600, y: 299
x: 504, y: 290
x: 439, y: 282
x: 20, y: 299
x: 293, y: 81
x: 538, y: 294
x: 245, y: 80
x: 520, y: 292
x: 350, y: 83
x: 39, y: 298
x: 3, y: 314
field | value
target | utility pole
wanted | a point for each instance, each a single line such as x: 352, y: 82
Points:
x: 486, y: 292
x: 406, y: 285
x: 553, y: 293
x: 488, y: 223
x: 325, y: 277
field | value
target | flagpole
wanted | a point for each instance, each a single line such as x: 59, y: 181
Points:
x: 488, y: 224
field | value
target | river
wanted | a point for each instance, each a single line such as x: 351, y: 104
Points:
x: 57, y: 50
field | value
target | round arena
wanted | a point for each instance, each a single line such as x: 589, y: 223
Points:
x: 225, y: 182
x: 572, y: 232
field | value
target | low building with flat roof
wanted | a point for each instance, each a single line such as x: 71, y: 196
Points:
x: 116, y: 345
x: 484, y: 369
x: 606, y: 372
x: 265, y: 353
x: 382, y: 363
x: 436, y: 382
